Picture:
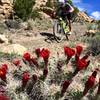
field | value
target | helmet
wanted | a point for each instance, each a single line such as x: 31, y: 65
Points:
x: 65, y: 1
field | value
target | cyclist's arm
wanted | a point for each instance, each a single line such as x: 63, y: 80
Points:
x: 71, y: 8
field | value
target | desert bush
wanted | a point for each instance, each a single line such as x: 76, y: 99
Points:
x: 23, y: 8
x: 35, y: 14
x: 40, y: 24
x: 98, y: 23
x: 94, y: 45
x: 49, y: 4
x: 92, y: 26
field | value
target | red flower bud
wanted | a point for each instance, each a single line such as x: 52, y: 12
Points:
x: 3, y: 74
x: 26, y: 56
x: 64, y: 87
x: 4, y: 67
x: 85, y: 57
x: 90, y: 83
x: 3, y: 97
x: 76, y: 58
x: 98, y: 92
x: 37, y: 51
x: 25, y: 78
x: 34, y: 77
x: 16, y: 62
x: 33, y: 60
x: 45, y: 72
x: 79, y: 49
x: 81, y: 64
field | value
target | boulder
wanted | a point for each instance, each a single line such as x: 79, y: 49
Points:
x: 14, y: 48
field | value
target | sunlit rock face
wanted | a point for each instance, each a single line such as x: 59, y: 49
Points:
x: 39, y: 3
x: 5, y: 9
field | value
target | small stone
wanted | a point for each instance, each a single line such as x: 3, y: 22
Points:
x: 3, y: 39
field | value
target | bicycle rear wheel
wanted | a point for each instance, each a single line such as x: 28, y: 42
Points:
x: 57, y: 30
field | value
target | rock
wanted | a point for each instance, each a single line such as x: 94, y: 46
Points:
x: 3, y: 39
x: 12, y: 24
x: 6, y: 8
x: 1, y: 11
x: 82, y: 16
x: 90, y: 33
x: 5, y: 1
x: 24, y: 25
x: 14, y: 48
x: 2, y: 17
x: 39, y: 3
x: 29, y: 34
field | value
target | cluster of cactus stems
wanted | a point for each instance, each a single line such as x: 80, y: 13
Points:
x: 81, y: 63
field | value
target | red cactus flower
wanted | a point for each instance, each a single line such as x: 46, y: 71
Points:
x: 34, y: 77
x: 76, y: 58
x: 3, y: 74
x: 4, y: 67
x: 98, y: 92
x: 16, y: 62
x: 69, y: 52
x: 25, y: 78
x: 27, y: 56
x: 86, y: 56
x: 64, y: 87
x: 33, y: 60
x: 3, y: 97
x: 37, y: 51
x: 81, y: 64
x: 45, y: 72
x: 90, y: 82
x: 45, y: 53
x: 79, y: 49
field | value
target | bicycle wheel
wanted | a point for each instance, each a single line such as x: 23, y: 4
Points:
x: 57, y: 30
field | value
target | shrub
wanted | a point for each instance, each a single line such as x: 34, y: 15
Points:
x: 92, y: 26
x: 95, y: 45
x: 74, y: 14
x: 49, y: 4
x: 23, y: 8
x: 35, y: 14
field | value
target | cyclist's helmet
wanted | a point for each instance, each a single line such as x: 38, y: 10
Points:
x: 68, y: 7
x: 65, y: 1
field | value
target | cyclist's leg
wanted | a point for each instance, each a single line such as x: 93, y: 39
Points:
x: 69, y: 21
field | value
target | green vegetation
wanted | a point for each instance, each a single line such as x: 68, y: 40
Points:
x: 95, y: 45
x: 23, y: 8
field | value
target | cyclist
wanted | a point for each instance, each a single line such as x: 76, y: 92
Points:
x: 64, y: 11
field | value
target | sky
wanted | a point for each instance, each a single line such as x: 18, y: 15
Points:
x: 92, y: 7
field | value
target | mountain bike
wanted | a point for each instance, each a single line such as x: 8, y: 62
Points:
x: 60, y: 29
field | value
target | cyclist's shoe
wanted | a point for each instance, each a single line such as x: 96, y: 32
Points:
x: 69, y: 33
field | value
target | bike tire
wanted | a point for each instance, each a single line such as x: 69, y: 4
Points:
x: 57, y: 30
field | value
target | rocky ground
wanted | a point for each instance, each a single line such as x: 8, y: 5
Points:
x: 32, y: 39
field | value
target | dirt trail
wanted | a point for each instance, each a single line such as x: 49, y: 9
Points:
x: 40, y: 38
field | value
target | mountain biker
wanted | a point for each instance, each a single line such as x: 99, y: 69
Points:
x: 64, y: 11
